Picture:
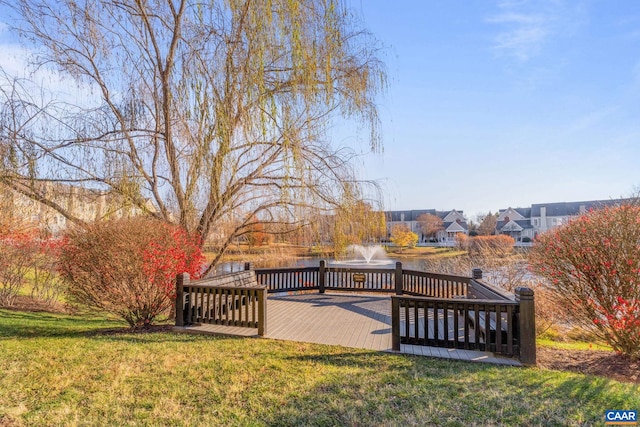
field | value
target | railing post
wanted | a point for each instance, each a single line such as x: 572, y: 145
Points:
x: 395, y: 323
x: 476, y: 274
x: 262, y: 312
x: 527, y: 326
x: 321, y: 276
x: 182, y: 279
x: 398, y: 278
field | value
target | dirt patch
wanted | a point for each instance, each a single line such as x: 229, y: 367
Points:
x: 594, y: 362
x: 26, y: 303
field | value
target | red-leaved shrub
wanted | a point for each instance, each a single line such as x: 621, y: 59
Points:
x: 127, y: 267
x: 593, y: 264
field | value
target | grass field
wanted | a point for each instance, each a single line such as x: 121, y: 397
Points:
x: 572, y: 345
x: 64, y: 370
x: 425, y: 251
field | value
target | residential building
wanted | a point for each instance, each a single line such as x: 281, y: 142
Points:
x: 453, y: 222
x: 85, y: 204
x: 515, y: 222
x: 526, y: 223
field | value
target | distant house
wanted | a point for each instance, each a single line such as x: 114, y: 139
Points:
x: 515, y: 222
x: 549, y: 215
x: 529, y: 222
x: 453, y: 222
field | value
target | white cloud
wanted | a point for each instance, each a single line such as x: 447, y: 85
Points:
x: 527, y: 26
x: 48, y: 83
x: 591, y: 121
x: 13, y: 59
x: 523, y: 42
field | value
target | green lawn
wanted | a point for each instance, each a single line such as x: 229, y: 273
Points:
x: 56, y: 370
x: 572, y: 345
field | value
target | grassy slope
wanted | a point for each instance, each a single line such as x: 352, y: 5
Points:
x: 425, y: 251
x: 56, y: 371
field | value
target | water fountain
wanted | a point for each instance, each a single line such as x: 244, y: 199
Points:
x: 363, y: 256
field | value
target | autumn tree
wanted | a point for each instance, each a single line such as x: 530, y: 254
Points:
x: 593, y: 266
x: 487, y: 224
x: 356, y: 222
x: 196, y: 110
x: 403, y: 237
x: 430, y: 224
x: 256, y: 235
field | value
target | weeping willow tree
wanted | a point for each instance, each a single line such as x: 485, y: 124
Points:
x: 200, y: 110
x: 356, y: 222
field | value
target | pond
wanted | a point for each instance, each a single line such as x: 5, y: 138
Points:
x: 228, y: 267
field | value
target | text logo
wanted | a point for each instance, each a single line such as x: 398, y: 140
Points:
x: 621, y: 418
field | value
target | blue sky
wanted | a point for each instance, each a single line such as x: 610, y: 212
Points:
x: 494, y: 104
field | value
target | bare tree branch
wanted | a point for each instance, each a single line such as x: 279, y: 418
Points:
x: 200, y: 110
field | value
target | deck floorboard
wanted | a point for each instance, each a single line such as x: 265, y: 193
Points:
x: 349, y: 320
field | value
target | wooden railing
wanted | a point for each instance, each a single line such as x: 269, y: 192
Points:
x: 289, y: 279
x: 479, y: 289
x: 438, y: 322
x: 234, y: 299
x: 505, y: 327
x: 359, y: 279
x: 434, y: 285
x: 362, y: 279
x: 428, y: 309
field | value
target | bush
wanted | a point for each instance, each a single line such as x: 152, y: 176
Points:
x: 500, y: 245
x: 463, y: 241
x: 26, y: 258
x: 17, y: 253
x: 128, y: 267
x: 46, y: 285
x: 485, y: 245
x: 593, y: 264
x: 548, y: 309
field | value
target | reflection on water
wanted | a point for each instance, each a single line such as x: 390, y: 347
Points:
x: 229, y: 267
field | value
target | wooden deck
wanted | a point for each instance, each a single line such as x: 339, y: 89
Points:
x: 349, y: 320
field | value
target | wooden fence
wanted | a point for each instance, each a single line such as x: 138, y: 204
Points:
x: 422, y: 283
x: 484, y: 325
x: 289, y: 279
x: 427, y: 309
x: 234, y: 299
x: 482, y: 318
x: 362, y: 279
